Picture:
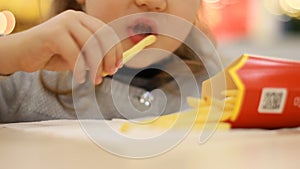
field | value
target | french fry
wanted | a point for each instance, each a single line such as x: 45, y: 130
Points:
x: 206, y: 101
x: 193, y: 102
x: 206, y: 113
x: 212, y: 106
x: 232, y: 92
x: 221, y: 126
x: 228, y: 107
x: 172, y: 121
x: 230, y: 100
x: 210, y: 115
x: 130, y: 53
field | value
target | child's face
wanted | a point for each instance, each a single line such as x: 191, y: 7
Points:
x: 110, y: 10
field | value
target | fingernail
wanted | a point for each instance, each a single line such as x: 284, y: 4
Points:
x: 81, y: 79
x: 112, y: 70
x: 99, y: 80
x: 120, y: 64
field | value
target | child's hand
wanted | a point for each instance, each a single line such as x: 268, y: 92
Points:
x: 58, y: 43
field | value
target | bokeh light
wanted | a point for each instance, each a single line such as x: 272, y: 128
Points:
x: 290, y: 8
x: 27, y: 12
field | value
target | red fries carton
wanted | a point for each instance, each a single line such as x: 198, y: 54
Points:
x: 267, y: 92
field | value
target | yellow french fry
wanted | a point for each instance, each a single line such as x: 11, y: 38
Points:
x: 196, y: 117
x: 130, y: 53
x: 211, y: 102
x: 212, y: 114
x: 229, y: 107
x: 193, y: 102
x: 219, y: 126
x: 230, y: 100
x: 206, y: 101
x: 207, y: 113
x: 181, y: 125
x: 232, y: 92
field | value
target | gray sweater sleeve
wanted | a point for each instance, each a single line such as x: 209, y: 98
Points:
x: 23, y: 98
x: 12, y: 93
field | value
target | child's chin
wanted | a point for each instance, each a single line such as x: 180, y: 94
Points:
x: 142, y: 62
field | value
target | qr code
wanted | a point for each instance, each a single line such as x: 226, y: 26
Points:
x: 272, y: 100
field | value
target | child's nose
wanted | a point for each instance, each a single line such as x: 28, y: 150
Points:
x: 153, y: 5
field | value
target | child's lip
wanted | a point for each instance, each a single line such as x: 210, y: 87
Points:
x: 136, y: 37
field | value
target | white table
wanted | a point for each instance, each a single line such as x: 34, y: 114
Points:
x: 64, y: 145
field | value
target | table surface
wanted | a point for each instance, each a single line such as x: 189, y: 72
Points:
x: 64, y: 144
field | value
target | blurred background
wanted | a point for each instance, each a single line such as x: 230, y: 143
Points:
x: 260, y: 27
x: 27, y: 12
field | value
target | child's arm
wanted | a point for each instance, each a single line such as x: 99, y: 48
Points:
x: 23, y: 98
x: 56, y: 45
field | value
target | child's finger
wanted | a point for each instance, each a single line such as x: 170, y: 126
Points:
x: 110, y: 62
x: 79, y: 69
x: 94, y: 57
x: 90, y: 22
x: 108, y: 39
x: 79, y: 33
x: 91, y: 48
x: 70, y: 52
x: 119, y: 55
x: 92, y: 51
